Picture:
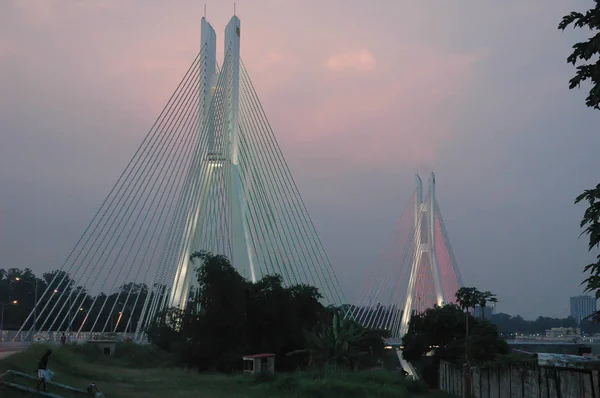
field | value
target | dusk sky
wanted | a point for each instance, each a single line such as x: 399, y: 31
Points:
x: 361, y: 94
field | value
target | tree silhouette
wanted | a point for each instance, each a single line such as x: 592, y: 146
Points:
x: 586, y: 52
x: 467, y: 297
x: 485, y: 298
x: 591, y: 227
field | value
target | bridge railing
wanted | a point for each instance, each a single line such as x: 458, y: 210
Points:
x: 9, y: 338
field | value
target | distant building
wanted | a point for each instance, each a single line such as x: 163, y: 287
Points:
x: 582, y: 306
x: 563, y: 332
x: 488, y: 312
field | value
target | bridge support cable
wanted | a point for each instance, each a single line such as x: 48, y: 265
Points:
x: 189, y: 123
x: 376, y: 306
x: 148, y: 204
x: 451, y: 269
x: 149, y: 188
x: 96, y: 239
x: 389, y: 268
x: 286, y: 226
x: 300, y: 229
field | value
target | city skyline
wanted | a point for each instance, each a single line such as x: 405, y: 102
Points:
x: 358, y: 102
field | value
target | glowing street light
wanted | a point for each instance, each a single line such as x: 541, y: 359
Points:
x: 35, y: 299
x: 13, y: 302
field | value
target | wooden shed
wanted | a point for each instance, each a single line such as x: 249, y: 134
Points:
x: 259, y: 363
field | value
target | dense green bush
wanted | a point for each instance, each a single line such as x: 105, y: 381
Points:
x: 231, y: 317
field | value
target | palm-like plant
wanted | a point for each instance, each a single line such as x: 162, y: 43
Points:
x: 334, y: 343
x: 469, y: 297
x: 483, y: 299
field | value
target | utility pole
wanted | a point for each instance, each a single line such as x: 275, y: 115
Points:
x: 2, y: 318
x: 35, y: 300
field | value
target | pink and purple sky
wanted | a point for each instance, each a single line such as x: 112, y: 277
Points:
x: 360, y: 94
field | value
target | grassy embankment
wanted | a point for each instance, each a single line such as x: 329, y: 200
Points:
x: 138, y: 371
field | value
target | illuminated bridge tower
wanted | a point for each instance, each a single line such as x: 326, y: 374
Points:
x: 416, y: 269
x: 222, y: 158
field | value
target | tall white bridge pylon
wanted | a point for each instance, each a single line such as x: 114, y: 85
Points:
x: 208, y: 176
x: 415, y: 271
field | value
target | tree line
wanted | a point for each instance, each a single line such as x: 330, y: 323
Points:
x: 511, y: 326
x: 231, y: 316
x: 20, y: 288
x: 18, y: 285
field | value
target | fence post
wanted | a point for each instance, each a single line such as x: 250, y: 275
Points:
x: 557, y: 381
x: 442, y: 376
x: 467, y: 380
x: 522, y: 382
x: 539, y: 382
x: 480, y: 392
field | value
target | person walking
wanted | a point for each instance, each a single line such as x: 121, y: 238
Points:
x: 43, y: 370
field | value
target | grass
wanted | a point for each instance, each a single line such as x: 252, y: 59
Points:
x: 142, y: 371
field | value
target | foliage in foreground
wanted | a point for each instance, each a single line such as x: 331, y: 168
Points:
x: 344, y: 343
x: 232, y: 317
x: 510, y: 325
x: 18, y: 290
x: 471, y: 297
x: 588, y: 53
x: 591, y: 227
x: 121, y: 377
x: 443, y: 330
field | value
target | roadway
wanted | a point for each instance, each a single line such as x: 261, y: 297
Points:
x: 8, y: 351
x: 4, y: 354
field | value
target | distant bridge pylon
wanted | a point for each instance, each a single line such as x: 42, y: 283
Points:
x: 415, y: 271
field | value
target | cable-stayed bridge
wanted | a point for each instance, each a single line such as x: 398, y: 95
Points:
x: 210, y: 176
x: 415, y: 270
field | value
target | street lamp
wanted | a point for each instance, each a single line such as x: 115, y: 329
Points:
x: 35, y: 299
x: 13, y: 302
x: 129, y: 316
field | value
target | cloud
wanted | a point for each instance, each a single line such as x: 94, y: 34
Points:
x: 48, y: 12
x: 357, y: 61
x: 273, y: 59
x: 39, y: 11
x: 400, y: 117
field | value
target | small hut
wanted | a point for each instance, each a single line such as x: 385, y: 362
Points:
x: 259, y: 363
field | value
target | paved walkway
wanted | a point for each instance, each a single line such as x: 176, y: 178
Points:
x: 7, y: 353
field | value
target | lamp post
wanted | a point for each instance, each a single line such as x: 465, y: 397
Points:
x: 35, y: 299
x: 121, y: 313
x: 14, y: 302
